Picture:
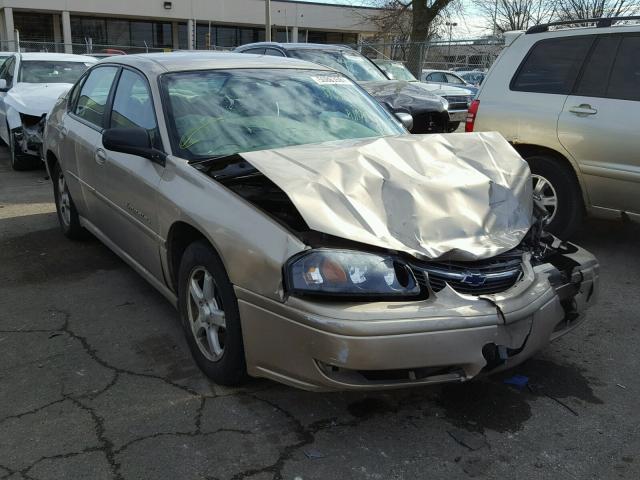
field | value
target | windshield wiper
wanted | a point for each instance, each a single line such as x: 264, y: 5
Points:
x: 224, y: 167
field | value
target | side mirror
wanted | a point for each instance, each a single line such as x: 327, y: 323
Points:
x: 405, y: 118
x: 134, y: 141
x: 3, y: 85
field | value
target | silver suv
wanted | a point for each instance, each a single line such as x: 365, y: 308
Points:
x: 567, y: 99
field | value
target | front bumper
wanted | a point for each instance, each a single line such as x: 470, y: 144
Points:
x: 448, y: 337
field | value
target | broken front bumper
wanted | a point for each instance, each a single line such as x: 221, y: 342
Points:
x: 448, y: 337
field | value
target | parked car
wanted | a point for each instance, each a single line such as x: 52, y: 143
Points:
x: 474, y: 78
x: 302, y: 233
x: 429, y: 111
x: 568, y: 100
x: 4, y: 56
x: 459, y: 99
x: 30, y: 84
x: 444, y: 77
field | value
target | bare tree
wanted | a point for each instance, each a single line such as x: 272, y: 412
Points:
x: 505, y: 15
x: 410, y: 21
x: 579, y: 9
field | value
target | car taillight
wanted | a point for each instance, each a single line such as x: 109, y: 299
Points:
x: 471, y: 116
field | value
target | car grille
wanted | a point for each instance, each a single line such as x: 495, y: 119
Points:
x: 482, y: 277
x: 458, y: 102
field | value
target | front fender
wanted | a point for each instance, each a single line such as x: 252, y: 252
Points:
x: 13, y: 118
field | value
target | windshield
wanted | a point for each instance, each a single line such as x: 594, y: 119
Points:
x: 398, y: 71
x: 218, y: 113
x: 46, y: 71
x: 349, y: 62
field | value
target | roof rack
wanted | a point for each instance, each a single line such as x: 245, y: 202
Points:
x: 602, y: 22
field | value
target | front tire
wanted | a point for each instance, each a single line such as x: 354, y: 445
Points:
x: 209, y: 315
x: 67, y: 214
x: 19, y: 161
x: 555, y: 185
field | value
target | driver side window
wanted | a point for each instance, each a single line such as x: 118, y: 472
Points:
x: 132, y: 106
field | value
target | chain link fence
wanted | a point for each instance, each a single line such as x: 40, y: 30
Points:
x: 86, y: 48
x: 477, y: 54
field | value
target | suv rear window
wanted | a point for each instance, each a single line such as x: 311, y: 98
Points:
x: 552, y: 65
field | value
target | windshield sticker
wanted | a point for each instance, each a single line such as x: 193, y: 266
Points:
x: 331, y: 80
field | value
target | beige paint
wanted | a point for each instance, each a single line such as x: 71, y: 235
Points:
x: 239, y: 12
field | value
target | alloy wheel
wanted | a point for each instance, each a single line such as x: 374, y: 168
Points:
x: 64, y: 200
x: 206, y: 315
x: 544, y: 191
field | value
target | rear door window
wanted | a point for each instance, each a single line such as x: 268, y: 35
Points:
x: 552, y: 65
x: 94, y: 94
x: 624, y: 82
x: 437, y: 77
x: 595, y: 75
x: 274, y: 53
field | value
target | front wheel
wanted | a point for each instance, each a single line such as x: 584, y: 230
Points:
x: 555, y: 186
x: 210, y: 316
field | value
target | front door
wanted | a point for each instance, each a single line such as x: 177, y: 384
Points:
x: 127, y: 184
x: 599, y: 123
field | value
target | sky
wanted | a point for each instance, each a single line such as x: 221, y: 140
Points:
x: 470, y: 25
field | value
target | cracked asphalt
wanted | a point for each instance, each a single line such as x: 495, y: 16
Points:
x: 96, y: 382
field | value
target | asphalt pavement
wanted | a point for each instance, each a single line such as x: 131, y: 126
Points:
x: 96, y: 382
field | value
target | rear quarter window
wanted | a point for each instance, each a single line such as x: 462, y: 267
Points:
x: 552, y: 65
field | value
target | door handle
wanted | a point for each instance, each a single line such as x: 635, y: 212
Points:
x: 100, y: 156
x: 64, y: 131
x: 583, y: 109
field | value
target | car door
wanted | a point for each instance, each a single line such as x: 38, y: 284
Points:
x: 81, y: 133
x: 7, y: 73
x: 127, y: 184
x: 599, y: 123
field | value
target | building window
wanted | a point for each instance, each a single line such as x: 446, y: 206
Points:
x: 121, y: 33
x: 34, y: 27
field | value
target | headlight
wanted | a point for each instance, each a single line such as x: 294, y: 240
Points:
x: 348, y: 273
x: 445, y: 103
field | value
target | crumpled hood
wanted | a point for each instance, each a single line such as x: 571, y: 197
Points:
x: 403, y: 94
x: 455, y: 196
x: 35, y: 98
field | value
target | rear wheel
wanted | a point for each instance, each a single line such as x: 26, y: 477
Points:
x: 67, y: 214
x: 555, y: 186
x: 20, y: 161
x: 210, y: 316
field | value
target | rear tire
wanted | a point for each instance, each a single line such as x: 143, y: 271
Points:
x: 67, y: 214
x: 561, y: 183
x: 19, y: 161
x: 209, y: 315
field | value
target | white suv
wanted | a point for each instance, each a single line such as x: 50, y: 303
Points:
x: 568, y: 99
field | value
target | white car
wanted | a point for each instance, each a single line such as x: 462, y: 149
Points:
x: 30, y: 84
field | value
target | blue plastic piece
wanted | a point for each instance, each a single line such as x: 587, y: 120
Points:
x: 518, y: 381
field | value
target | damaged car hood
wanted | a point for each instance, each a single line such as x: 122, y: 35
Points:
x: 35, y: 98
x: 408, y: 95
x: 456, y: 196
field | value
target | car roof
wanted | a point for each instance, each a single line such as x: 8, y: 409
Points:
x: 159, y: 63
x: 63, y: 57
x: 296, y: 46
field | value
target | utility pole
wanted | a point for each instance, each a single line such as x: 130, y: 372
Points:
x: 495, y: 20
x: 267, y: 20
x: 450, y: 25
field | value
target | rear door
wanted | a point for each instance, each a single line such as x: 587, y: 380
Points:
x: 599, y: 123
x: 127, y: 184
x: 82, y: 133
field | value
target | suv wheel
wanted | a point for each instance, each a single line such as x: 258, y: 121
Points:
x: 554, y: 184
x: 209, y: 315
x: 19, y: 161
x: 67, y: 214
